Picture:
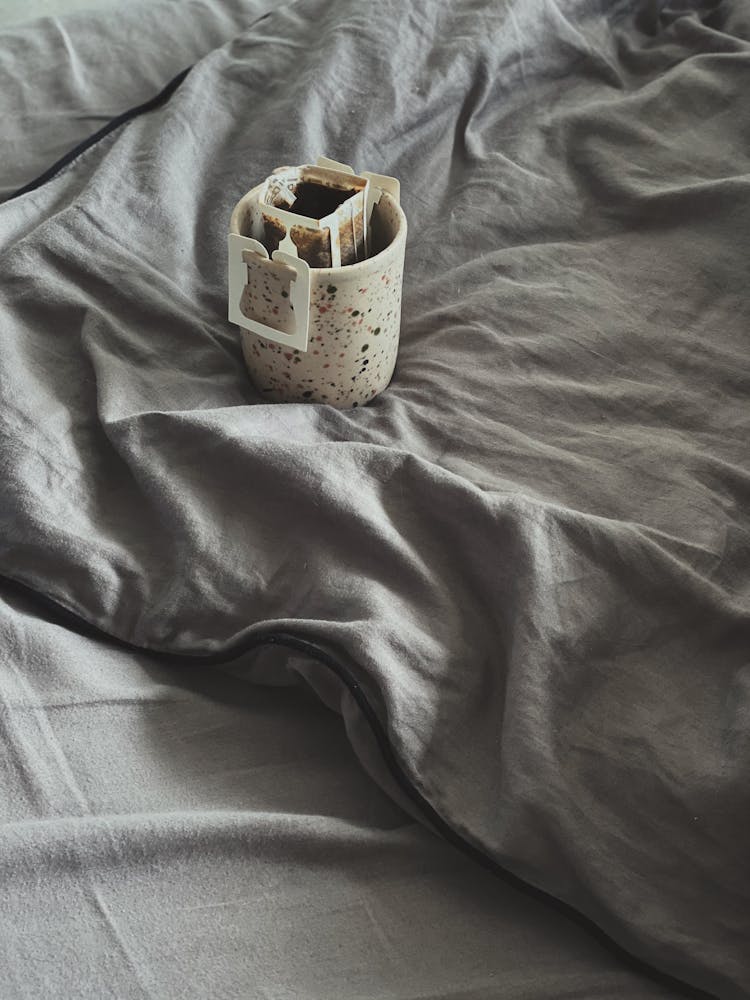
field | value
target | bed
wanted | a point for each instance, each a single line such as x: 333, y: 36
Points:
x: 448, y: 696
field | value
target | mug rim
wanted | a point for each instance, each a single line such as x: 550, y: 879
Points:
x: 391, y: 249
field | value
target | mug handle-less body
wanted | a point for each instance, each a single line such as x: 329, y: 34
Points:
x: 299, y: 293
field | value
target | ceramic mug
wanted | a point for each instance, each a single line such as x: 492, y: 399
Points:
x: 319, y: 334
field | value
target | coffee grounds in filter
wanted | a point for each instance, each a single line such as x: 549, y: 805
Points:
x: 316, y: 200
x: 321, y: 211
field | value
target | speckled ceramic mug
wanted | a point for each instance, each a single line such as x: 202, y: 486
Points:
x: 345, y: 353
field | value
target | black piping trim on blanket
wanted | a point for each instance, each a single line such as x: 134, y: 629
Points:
x: 60, y: 615
x: 85, y: 144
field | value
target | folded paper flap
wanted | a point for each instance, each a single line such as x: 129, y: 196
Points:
x: 244, y: 250
x: 252, y: 246
x: 325, y: 161
x: 382, y: 182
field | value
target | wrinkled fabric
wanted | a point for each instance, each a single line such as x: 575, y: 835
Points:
x: 533, y: 549
x: 63, y: 78
x: 174, y: 831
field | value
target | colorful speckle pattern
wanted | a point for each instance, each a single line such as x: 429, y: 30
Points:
x: 355, y: 318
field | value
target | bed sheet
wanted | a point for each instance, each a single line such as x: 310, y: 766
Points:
x: 521, y: 575
x: 169, y: 831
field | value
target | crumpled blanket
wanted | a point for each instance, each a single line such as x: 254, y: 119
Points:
x: 530, y: 558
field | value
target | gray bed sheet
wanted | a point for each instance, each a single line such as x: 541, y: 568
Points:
x: 176, y: 832
x: 530, y: 555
